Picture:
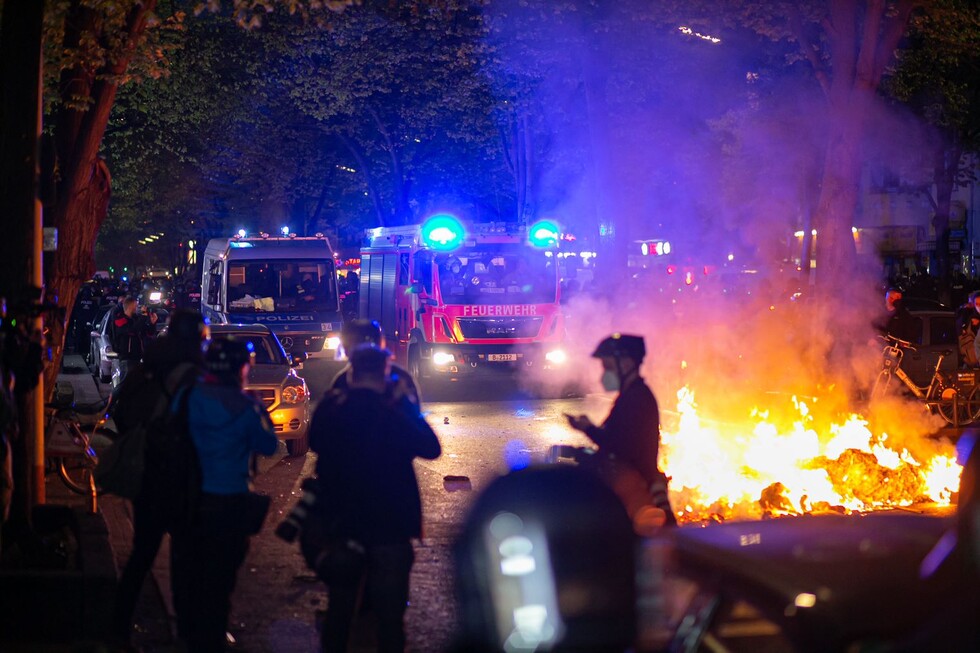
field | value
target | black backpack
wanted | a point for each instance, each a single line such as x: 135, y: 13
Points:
x: 172, y: 475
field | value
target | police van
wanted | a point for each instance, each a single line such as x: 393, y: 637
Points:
x: 287, y: 283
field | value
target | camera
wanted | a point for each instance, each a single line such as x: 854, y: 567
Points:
x: 290, y: 527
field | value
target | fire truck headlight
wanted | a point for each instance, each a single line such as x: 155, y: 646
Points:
x: 556, y: 357
x: 442, y: 358
x: 333, y: 342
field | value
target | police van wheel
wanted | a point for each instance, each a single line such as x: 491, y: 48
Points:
x: 298, y: 446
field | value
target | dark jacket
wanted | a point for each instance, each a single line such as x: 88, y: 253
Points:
x: 398, y: 376
x: 631, y: 432
x: 140, y: 390
x: 129, y: 334
x: 365, y: 445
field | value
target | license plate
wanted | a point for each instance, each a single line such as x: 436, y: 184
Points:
x: 495, y: 358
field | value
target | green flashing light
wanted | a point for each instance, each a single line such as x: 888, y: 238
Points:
x: 543, y: 233
x: 443, y: 232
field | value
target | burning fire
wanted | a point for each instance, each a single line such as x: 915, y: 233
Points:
x: 767, y: 468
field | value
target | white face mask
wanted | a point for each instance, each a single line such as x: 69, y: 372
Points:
x: 610, y: 381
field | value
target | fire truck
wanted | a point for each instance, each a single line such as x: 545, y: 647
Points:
x: 456, y: 300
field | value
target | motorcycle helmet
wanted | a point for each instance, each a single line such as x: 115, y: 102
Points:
x: 621, y: 345
x: 359, y: 332
x: 531, y: 573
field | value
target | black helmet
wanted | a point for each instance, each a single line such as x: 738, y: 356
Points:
x: 188, y: 325
x: 359, y: 332
x: 537, y: 527
x: 621, y: 345
x: 227, y: 357
x: 369, y: 358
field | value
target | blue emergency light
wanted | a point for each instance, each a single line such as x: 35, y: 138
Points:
x: 543, y: 233
x: 443, y: 232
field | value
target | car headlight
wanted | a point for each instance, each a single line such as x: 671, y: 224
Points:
x: 333, y: 342
x: 556, y: 357
x: 442, y: 358
x: 294, y: 394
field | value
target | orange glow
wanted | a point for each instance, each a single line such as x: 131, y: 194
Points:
x: 766, y: 466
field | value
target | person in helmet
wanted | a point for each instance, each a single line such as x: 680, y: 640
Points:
x: 630, y: 434
x: 368, y: 505
x: 171, y: 365
x: 228, y: 428
x: 368, y: 332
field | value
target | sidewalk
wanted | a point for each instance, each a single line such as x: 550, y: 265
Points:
x: 105, y: 542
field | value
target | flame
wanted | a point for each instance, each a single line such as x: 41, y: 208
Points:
x: 787, y: 465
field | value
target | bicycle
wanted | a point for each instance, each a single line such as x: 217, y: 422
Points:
x: 957, y: 400
x: 71, y: 447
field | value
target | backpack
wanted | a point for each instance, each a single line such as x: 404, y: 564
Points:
x: 968, y: 352
x: 156, y: 458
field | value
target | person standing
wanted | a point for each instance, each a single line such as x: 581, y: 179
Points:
x: 228, y: 427
x: 631, y: 432
x: 130, y: 331
x: 896, y: 321
x: 171, y: 365
x: 365, y: 439
x: 967, y: 326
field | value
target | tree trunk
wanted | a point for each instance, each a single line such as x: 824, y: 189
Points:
x: 944, y: 176
x: 83, y: 194
x: 834, y: 216
x: 74, y: 262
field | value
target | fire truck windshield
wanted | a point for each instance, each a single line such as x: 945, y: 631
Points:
x: 281, y: 286
x: 497, y: 274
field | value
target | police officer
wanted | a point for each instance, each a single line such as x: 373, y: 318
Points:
x: 368, y: 332
x: 630, y: 435
x: 86, y: 303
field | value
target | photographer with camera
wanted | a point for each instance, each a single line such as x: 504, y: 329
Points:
x: 130, y: 330
x: 21, y: 363
x: 368, y: 507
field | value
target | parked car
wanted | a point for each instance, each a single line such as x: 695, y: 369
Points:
x: 808, y: 584
x: 274, y: 381
x: 99, y: 343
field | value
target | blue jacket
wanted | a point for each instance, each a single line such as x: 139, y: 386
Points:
x: 227, y: 427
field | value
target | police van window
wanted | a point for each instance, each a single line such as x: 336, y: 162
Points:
x: 403, y: 270
x: 214, y: 282
x: 423, y: 271
x: 282, y: 286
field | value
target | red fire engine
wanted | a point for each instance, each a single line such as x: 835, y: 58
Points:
x: 456, y: 300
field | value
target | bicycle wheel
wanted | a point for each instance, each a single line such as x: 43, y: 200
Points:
x: 76, y: 471
x: 967, y: 406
